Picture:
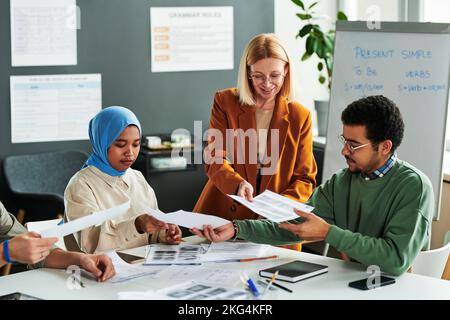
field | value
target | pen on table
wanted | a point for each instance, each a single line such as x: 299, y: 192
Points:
x: 252, y: 285
x: 249, y: 259
x: 265, y: 284
x: 271, y: 282
x: 244, y: 282
x: 280, y: 286
x: 257, y: 259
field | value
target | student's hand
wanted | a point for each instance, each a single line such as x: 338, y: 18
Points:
x: 222, y: 233
x: 99, y: 265
x: 173, y: 234
x: 30, y: 248
x: 148, y: 224
x: 313, y: 227
x: 245, y: 190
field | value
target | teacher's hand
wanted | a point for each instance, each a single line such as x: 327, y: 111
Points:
x: 245, y: 190
x: 222, y: 233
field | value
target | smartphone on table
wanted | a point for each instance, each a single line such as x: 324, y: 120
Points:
x: 130, y: 258
x: 364, y: 284
x: 18, y: 296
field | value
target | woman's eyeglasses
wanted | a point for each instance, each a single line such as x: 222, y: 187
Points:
x: 273, y: 78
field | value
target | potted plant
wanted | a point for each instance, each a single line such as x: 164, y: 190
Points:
x: 321, y: 44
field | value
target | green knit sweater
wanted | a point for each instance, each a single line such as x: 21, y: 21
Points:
x: 384, y: 222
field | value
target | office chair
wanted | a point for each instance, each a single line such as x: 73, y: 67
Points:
x: 433, y: 263
x: 41, y: 177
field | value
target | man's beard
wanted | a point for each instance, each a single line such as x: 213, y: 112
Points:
x: 350, y: 161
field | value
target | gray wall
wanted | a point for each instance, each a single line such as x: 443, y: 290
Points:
x: 114, y: 40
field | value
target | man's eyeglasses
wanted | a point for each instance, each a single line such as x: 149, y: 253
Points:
x: 351, y: 146
x: 273, y: 78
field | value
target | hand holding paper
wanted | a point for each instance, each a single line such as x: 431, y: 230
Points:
x: 188, y: 219
x: 93, y: 219
x: 273, y: 206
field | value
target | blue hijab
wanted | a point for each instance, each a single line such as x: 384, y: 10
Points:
x: 104, y: 129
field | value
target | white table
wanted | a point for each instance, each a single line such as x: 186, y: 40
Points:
x: 51, y: 283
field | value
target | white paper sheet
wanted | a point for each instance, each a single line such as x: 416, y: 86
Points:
x: 43, y: 33
x: 196, y: 291
x: 126, y: 271
x: 228, y: 251
x: 188, y: 290
x: 53, y: 107
x: 187, y: 219
x: 191, y: 38
x: 38, y: 226
x: 273, y: 206
x: 96, y: 218
x: 186, y: 254
x: 201, y: 274
x: 142, y: 295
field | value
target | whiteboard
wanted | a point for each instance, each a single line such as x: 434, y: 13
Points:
x: 408, y: 63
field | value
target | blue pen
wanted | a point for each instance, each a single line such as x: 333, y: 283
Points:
x: 252, y: 286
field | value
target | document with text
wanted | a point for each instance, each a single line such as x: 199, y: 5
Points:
x: 273, y: 206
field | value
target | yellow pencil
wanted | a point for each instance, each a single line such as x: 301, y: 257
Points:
x: 271, y: 281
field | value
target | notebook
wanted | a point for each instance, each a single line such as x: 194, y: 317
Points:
x: 294, y: 271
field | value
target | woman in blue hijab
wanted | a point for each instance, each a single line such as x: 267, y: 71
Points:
x: 106, y: 180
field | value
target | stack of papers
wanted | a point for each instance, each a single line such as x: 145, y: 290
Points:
x: 190, y: 254
x: 273, y: 206
x: 186, y: 291
x: 233, y: 251
x: 200, y: 274
x: 161, y: 254
x: 126, y: 271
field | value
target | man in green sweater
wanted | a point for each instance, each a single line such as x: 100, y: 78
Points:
x: 377, y: 211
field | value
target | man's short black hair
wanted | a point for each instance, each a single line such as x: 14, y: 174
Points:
x: 380, y: 116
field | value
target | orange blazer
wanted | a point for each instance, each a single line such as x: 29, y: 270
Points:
x: 295, y: 176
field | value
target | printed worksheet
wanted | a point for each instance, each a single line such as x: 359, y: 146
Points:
x: 273, y: 206
x: 126, y: 271
x: 187, y: 291
x: 161, y: 254
x: 201, y: 274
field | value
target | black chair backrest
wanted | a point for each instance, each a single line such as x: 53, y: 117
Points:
x: 42, y: 173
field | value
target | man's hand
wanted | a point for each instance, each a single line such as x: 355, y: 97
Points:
x: 222, y: 233
x: 245, y: 190
x: 30, y: 248
x: 99, y: 265
x: 148, y: 224
x: 173, y: 234
x: 313, y: 228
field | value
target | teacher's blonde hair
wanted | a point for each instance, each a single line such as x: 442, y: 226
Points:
x: 265, y: 45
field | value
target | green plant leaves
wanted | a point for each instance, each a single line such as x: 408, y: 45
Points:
x: 304, y: 16
x: 305, y: 56
x: 313, y: 4
x: 299, y: 3
x: 341, y: 16
x: 320, y: 66
x: 318, y: 41
x: 328, y: 43
x: 311, y: 44
x: 305, y: 30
